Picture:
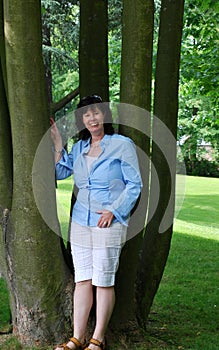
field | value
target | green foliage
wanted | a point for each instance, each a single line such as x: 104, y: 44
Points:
x: 202, y: 167
x: 199, y: 83
x: 60, y: 39
x: 62, y: 85
x: 115, y: 16
x: 114, y: 66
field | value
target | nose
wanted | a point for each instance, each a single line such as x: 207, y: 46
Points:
x: 92, y: 116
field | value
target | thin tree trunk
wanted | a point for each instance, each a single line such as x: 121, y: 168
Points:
x: 93, y: 49
x: 137, y: 43
x: 39, y: 282
x: 134, y: 120
x: 159, y: 230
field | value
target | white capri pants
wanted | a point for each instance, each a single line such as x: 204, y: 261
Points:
x: 96, y: 252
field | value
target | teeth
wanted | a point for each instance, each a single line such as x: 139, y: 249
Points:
x: 94, y: 124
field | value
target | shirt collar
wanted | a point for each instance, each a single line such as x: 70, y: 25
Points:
x: 103, y: 142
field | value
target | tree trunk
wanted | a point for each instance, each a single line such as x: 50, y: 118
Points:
x: 2, y: 45
x: 134, y: 120
x: 93, y: 49
x: 40, y: 284
x: 159, y: 230
x: 137, y: 43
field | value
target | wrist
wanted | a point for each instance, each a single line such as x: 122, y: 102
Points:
x: 57, y: 150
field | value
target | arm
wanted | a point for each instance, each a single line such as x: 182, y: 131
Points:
x: 64, y: 162
x: 57, y: 140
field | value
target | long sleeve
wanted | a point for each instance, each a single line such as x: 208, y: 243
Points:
x: 64, y: 168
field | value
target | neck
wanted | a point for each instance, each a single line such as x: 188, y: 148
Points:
x: 96, y: 138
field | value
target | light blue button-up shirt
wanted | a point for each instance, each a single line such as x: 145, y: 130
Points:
x: 113, y: 183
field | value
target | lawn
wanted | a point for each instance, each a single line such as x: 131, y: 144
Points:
x: 185, y: 311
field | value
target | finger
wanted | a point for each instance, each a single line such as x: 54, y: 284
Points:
x: 99, y: 211
x: 105, y: 223
x: 99, y: 223
x: 52, y: 121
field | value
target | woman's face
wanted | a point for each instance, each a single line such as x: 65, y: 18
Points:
x: 93, y: 121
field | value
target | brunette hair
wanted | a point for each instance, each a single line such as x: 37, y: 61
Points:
x: 92, y: 102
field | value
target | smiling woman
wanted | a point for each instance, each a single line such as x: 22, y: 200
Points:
x: 106, y: 173
x: 93, y: 121
x: 93, y: 104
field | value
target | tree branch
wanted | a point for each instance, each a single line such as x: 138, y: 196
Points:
x: 54, y: 107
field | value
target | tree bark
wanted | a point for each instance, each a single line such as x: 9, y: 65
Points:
x: 2, y: 43
x: 93, y: 49
x: 158, y: 232
x: 39, y: 282
x: 137, y: 43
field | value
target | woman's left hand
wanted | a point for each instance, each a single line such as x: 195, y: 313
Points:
x: 105, y: 219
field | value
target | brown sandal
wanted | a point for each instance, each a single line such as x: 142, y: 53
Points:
x: 96, y: 342
x: 77, y: 343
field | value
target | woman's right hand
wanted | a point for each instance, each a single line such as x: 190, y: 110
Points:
x: 55, y: 135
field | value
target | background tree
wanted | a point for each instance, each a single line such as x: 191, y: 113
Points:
x: 136, y: 76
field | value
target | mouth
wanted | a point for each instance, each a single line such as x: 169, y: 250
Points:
x: 94, y: 124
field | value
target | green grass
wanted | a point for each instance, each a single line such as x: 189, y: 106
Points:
x: 5, y: 313
x: 185, y: 311
x: 63, y: 192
